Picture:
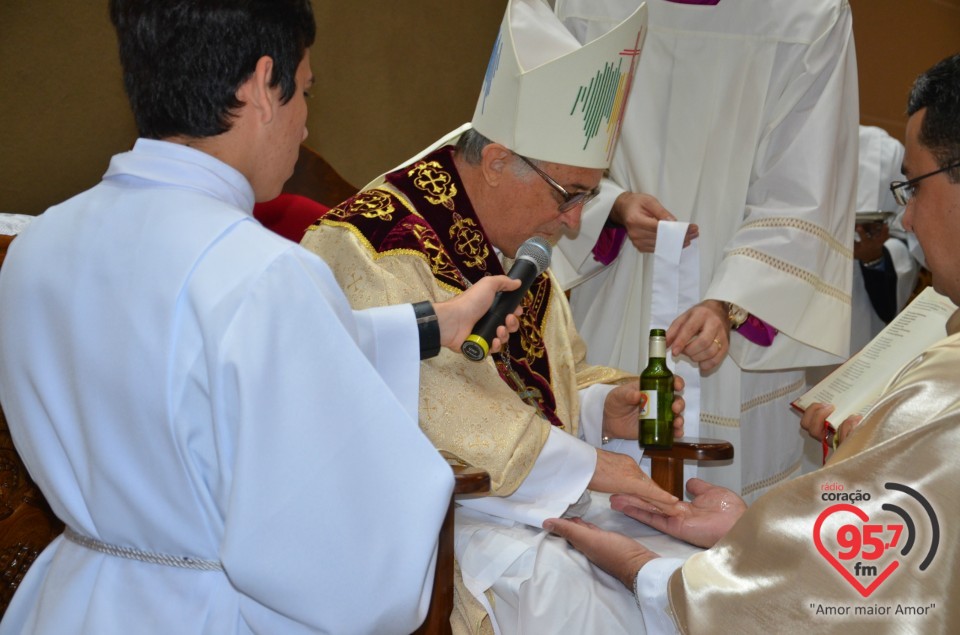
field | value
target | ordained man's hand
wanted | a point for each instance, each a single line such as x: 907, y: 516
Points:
x: 620, y: 556
x: 702, y: 522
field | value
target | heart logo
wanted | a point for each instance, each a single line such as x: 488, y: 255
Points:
x: 861, y: 542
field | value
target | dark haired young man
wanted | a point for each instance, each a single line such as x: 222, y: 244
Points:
x: 231, y: 447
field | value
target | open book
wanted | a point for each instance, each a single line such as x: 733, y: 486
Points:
x: 855, y: 386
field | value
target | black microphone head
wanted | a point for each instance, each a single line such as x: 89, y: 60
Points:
x: 538, y: 251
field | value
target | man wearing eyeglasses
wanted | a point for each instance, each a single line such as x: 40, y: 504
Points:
x: 774, y: 567
x: 537, y: 416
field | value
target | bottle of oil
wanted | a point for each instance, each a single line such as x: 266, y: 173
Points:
x: 656, y: 402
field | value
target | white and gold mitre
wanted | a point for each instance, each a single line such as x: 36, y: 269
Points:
x: 548, y: 97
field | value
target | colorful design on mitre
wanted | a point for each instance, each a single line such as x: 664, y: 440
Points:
x: 492, y: 66
x: 605, y: 97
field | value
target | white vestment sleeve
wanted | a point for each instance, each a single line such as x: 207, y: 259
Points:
x: 559, y: 477
x: 391, y: 324
x: 650, y: 588
x: 325, y: 452
x: 790, y: 261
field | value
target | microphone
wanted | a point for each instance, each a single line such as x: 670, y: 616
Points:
x: 533, y: 258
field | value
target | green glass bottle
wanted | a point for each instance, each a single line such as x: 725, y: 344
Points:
x: 656, y: 402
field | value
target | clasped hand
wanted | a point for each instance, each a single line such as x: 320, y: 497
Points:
x: 640, y: 214
x: 702, y: 333
x: 814, y: 421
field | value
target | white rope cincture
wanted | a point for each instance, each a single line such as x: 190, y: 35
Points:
x: 183, y: 562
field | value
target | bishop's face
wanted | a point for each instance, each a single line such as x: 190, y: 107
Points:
x: 530, y: 205
x: 933, y: 212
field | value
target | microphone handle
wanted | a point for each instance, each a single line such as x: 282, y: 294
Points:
x: 477, y: 345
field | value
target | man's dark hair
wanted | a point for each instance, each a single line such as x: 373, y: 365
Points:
x: 938, y: 90
x: 183, y: 60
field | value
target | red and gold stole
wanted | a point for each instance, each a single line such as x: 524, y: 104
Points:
x: 423, y: 210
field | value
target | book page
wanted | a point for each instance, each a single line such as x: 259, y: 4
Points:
x: 854, y: 387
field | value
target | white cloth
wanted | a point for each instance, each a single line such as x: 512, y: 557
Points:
x: 676, y: 288
x: 542, y: 585
x: 651, y: 593
x: 13, y: 224
x: 563, y: 469
x: 744, y: 121
x: 182, y: 381
x: 558, y: 479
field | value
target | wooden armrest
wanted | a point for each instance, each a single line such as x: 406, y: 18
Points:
x: 468, y: 480
x: 666, y: 466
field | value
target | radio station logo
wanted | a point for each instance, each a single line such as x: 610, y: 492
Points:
x: 867, y: 550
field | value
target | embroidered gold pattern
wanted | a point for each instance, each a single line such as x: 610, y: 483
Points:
x: 440, y: 262
x: 372, y: 204
x: 437, y: 183
x: 793, y: 270
x: 469, y: 242
x: 602, y: 375
x: 804, y: 226
x: 533, y: 345
x: 770, y: 396
x: 397, y: 194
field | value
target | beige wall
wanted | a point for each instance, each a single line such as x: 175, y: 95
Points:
x: 62, y: 108
x: 392, y: 77
x: 896, y: 40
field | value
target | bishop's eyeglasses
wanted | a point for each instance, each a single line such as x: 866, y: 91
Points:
x: 570, y: 200
x: 903, y: 190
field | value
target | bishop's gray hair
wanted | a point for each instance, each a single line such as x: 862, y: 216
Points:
x: 470, y: 147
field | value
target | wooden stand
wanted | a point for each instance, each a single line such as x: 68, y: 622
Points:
x: 666, y: 467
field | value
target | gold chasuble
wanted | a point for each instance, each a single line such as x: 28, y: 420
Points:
x: 415, y: 236
x: 869, y: 544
